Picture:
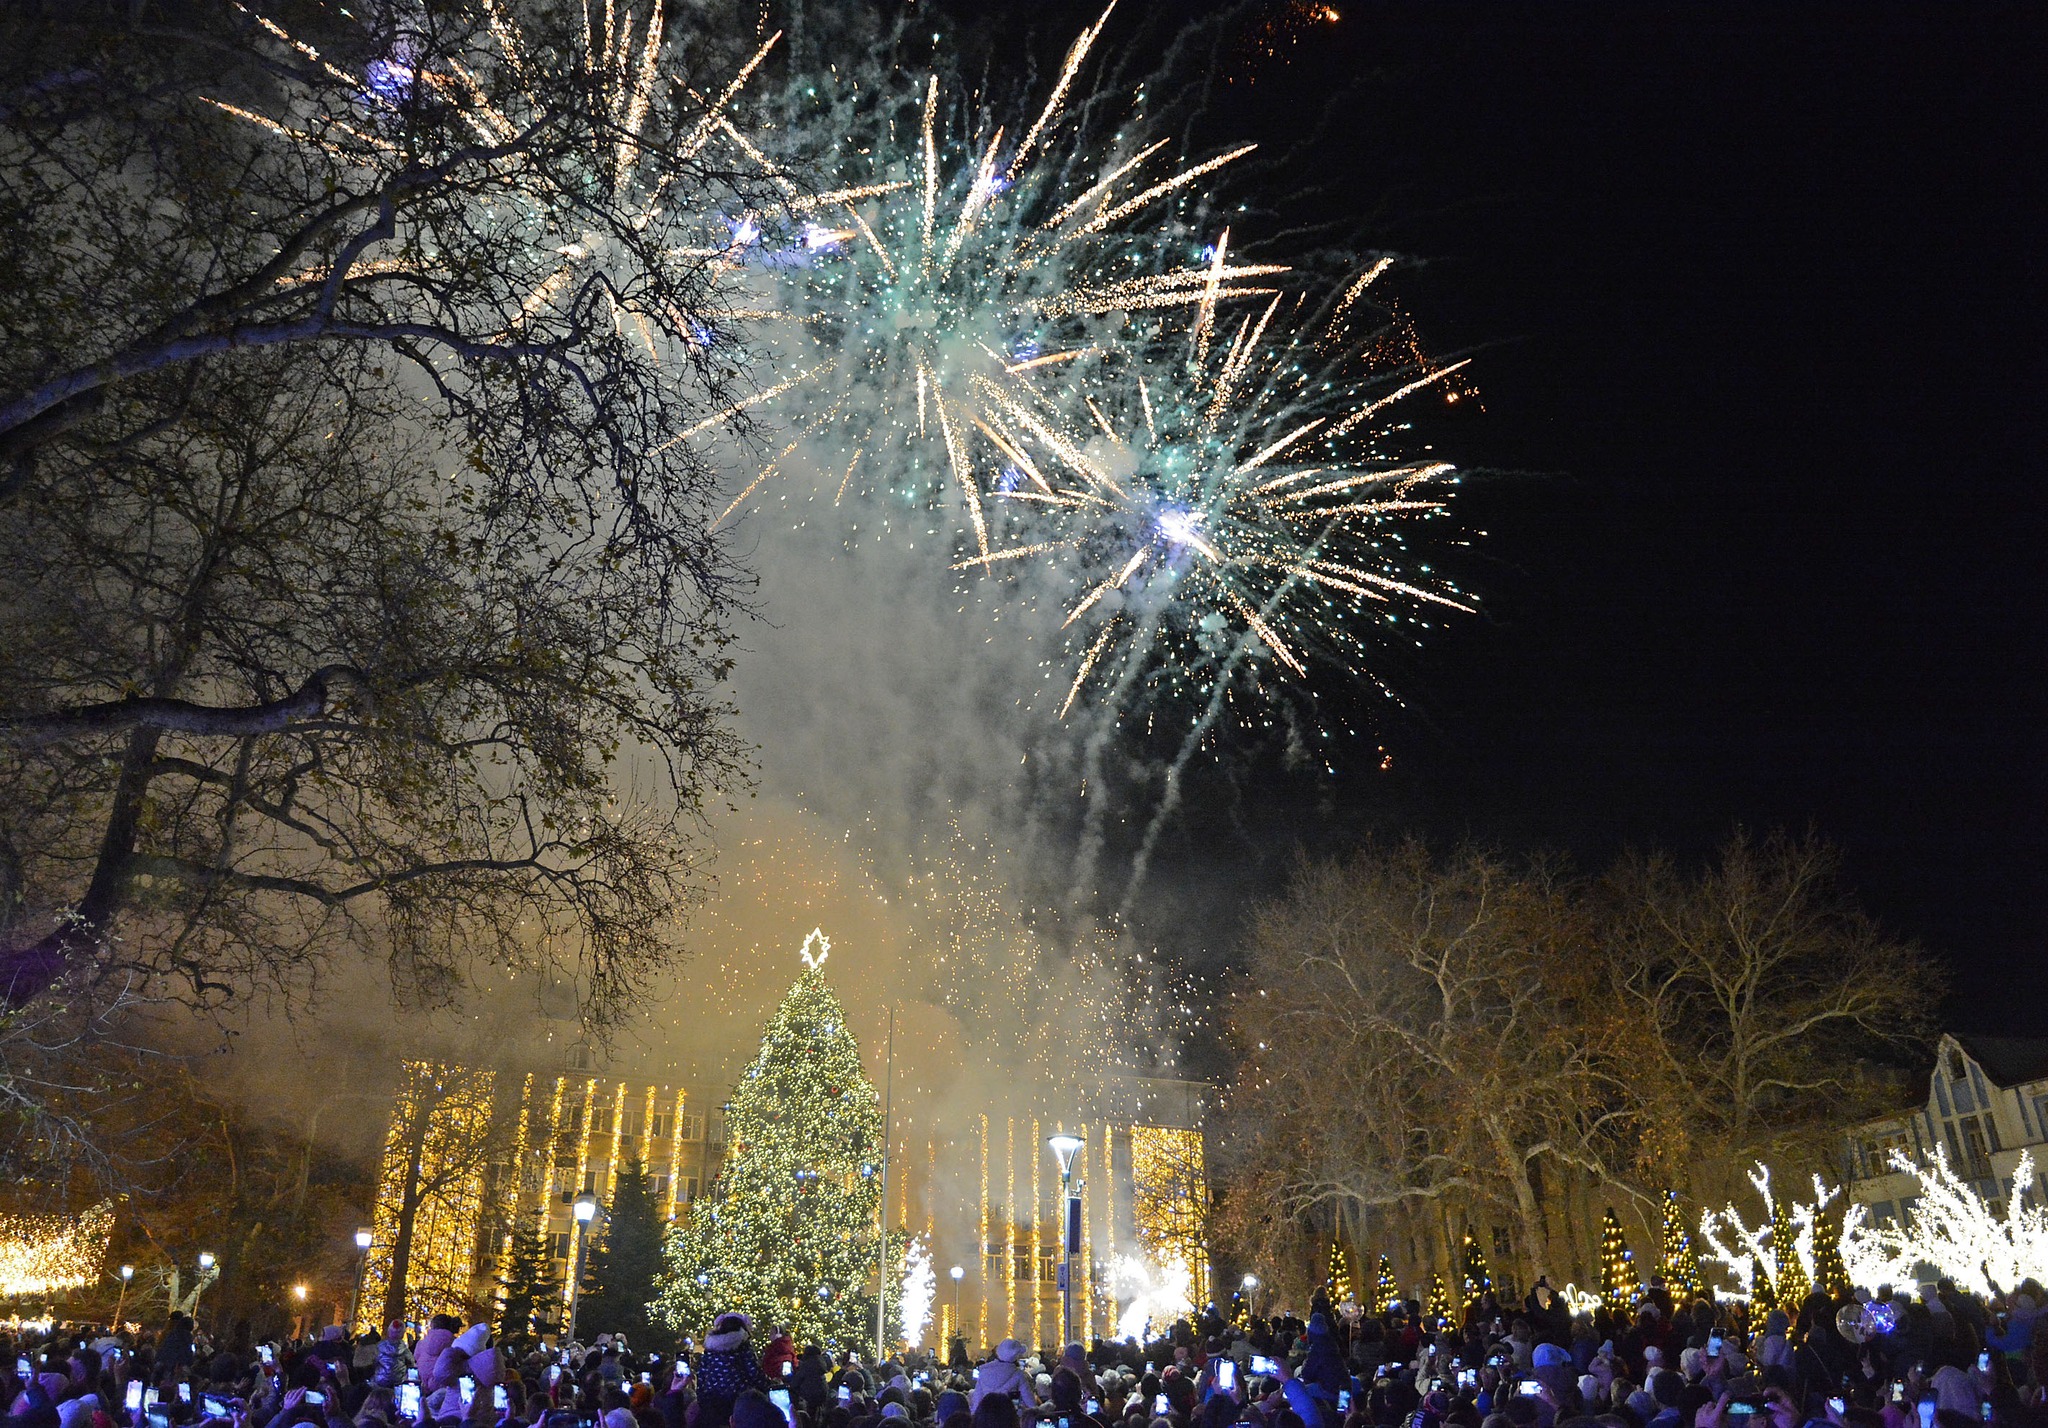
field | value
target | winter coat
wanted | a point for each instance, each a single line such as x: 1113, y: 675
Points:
x: 391, y: 1360
x: 1000, y: 1375
x: 780, y: 1351
x: 433, y: 1344
x: 808, y: 1382
x: 724, y: 1372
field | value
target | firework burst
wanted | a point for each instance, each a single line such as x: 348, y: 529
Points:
x: 1220, y: 517
x: 956, y: 259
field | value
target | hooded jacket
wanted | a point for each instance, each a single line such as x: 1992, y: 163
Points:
x: 1001, y: 1375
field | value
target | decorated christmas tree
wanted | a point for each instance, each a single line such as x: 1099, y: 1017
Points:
x: 1831, y: 1276
x: 1437, y: 1312
x: 1677, y: 1260
x: 1338, y: 1274
x: 1792, y: 1286
x: 1763, y: 1295
x: 787, y: 1235
x: 1386, y: 1290
x: 1478, y: 1279
x: 1617, y: 1276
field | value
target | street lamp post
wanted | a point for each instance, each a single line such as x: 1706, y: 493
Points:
x: 586, y: 1211
x: 127, y: 1273
x: 208, y: 1273
x: 299, y: 1306
x: 355, y: 1300
x: 1251, y: 1289
x: 1065, y: 1148
x: 956, y: 1271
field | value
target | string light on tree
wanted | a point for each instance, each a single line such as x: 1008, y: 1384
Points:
x: 1437, y: 1312
x: 788, y: 1233
x: 1791, y: 1284
x: 1478, y: 1279
x: 1677, y: 1260
x: 1617, y: 1282
x: 1952, y: 1228
x: 42, y: 1253
x: 1386, y: 1289
x: 1338, y: 1275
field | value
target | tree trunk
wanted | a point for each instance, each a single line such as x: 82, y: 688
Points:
x: 1530, y: 1247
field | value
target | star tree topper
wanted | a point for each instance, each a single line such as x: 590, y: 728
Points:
x: 824, y: 945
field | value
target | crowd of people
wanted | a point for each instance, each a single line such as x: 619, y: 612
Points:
x: 1935, y: 1359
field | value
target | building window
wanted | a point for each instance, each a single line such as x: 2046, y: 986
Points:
x: 1956, y: 1069
x: 629, y: 1123
x: 1503, y: 1247
x: 601, y: 1120
x: 693, y: 1127
x: 657, y: 1126
x: 1971, y: 1141
x: 1881, y: 1213
x: 660, y: 1183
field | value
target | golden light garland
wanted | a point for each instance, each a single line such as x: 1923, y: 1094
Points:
x: 43, y: 1253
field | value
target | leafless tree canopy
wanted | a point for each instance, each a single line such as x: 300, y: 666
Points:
x: 1430, y: 1045
x: 361, y: 591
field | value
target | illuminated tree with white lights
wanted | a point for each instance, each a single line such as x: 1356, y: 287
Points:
x: 787, y: 1235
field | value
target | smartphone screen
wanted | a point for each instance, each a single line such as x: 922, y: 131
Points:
x: 554, y: 1374
x: 315, y: 1397
x: 157, y: 1418
x: 23, y: 1368
x: 1737, y: 1408
x: 1898, y: 1391
x: 468, y: 1387
x: 263, y: 1353
x: 134, y: 1399
x: 788, y: 1368
x: 1343, y: 1400
x: 1926, y: 1407
x: 682, y: 1368
x: 1160, y: 1406
x: 1713, y: 1346
x: 1468, y: 1378
x: 1985, y: 1409
x: 1094, y: 1405
x: 1226, y: 1379
x: 1532, y: 1388
x: 780, y: 1398
x: 1984, y: 1362
x: 1838, y: 1406
x: 499, y: 1400
x: 647, y: 1378
x: 215, y: 1407
x: 185, y: 1393
x: 409, y: 1400
x: 1262, y: 1363
x: 845, y: 1393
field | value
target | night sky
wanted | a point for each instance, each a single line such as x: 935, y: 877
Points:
x: 1756, y: 293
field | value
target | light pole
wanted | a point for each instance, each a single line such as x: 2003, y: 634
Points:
x: 956, y: 1271
x: 586, y: 1211
x: 1251, y: 1289
x: 127, y: 1273
x: 355, y: 1300
x: 1065, y: 1148
x: 299, y: 1305
x: 208, y: 1273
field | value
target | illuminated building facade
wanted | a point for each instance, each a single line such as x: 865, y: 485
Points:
x: 485, y: 1151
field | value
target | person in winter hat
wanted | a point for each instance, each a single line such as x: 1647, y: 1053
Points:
x: 726, y: 1370
x: 391, y: 1356
x: 434, y: 1343
x: 1001, y: 1375
x: 781, y: 1350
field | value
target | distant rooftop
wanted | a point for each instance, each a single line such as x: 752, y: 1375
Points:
x: 2008, y: 1060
